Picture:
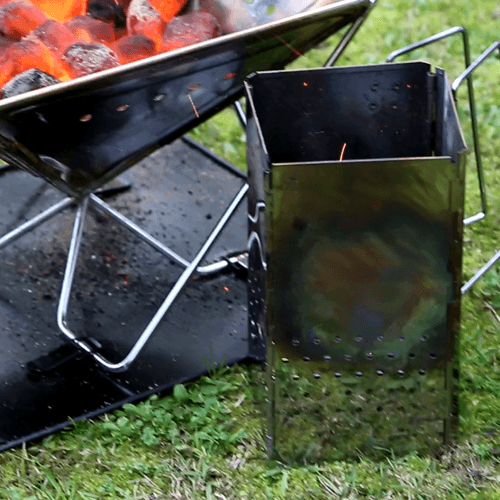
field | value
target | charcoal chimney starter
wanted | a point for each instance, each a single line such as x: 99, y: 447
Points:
x: 355, y: 249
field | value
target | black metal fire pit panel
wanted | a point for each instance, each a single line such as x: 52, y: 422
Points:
x: 119, y: 284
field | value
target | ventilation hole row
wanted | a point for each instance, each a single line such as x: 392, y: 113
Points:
x: 369, y: 356
x: 156, y: 98
x: 358, y: 338
x: 380, y: 373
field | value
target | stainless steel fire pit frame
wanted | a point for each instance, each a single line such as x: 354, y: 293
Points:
x: 80, y: 155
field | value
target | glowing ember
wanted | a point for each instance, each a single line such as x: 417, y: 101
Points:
x: 343, y: 151
x: 193, y: 106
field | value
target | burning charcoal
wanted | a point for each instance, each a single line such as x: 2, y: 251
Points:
x: 7, y: 67
x: 62, y: 10
x: 133, y: 48
x: 86, y: 58
x: 144, y: 19
x: 29, y: 80
x: 30, y: 54
x: 18, y: 18
x: 55, y: 36
x: 108, y: 11
x: 4, y: 43
x: 168, y: 9
x: 192, y: 28
x: 87, y: 29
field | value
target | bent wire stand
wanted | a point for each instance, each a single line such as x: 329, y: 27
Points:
x: 466, y: 75
x: 83, y: 198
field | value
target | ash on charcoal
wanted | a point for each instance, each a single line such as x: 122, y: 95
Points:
x: 86, y: 58
x: 189, y: 29
x: 144, y: 19
x: 29, y: 80
x: 108, y: 11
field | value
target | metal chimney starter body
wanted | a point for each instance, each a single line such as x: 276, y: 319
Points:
x: 355, y: 236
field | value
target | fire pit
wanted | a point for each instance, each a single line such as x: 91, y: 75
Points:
x: 355, y: 234
x: 80, y: 134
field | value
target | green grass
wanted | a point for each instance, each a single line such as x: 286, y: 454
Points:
x: 205, y: 440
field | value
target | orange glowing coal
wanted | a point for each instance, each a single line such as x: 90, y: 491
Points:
x: 43, y: 42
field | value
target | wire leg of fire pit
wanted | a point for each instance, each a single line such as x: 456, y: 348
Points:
x: 35, y: 222
x: 62, y: 309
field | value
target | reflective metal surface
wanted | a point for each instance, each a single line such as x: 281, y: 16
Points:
x: 355, y: 265
x: 80, y: 134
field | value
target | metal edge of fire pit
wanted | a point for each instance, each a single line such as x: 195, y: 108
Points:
x: 108, y: 77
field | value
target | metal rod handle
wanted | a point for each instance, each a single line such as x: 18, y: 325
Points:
x: 467, y: 75
x: 472, y: 105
